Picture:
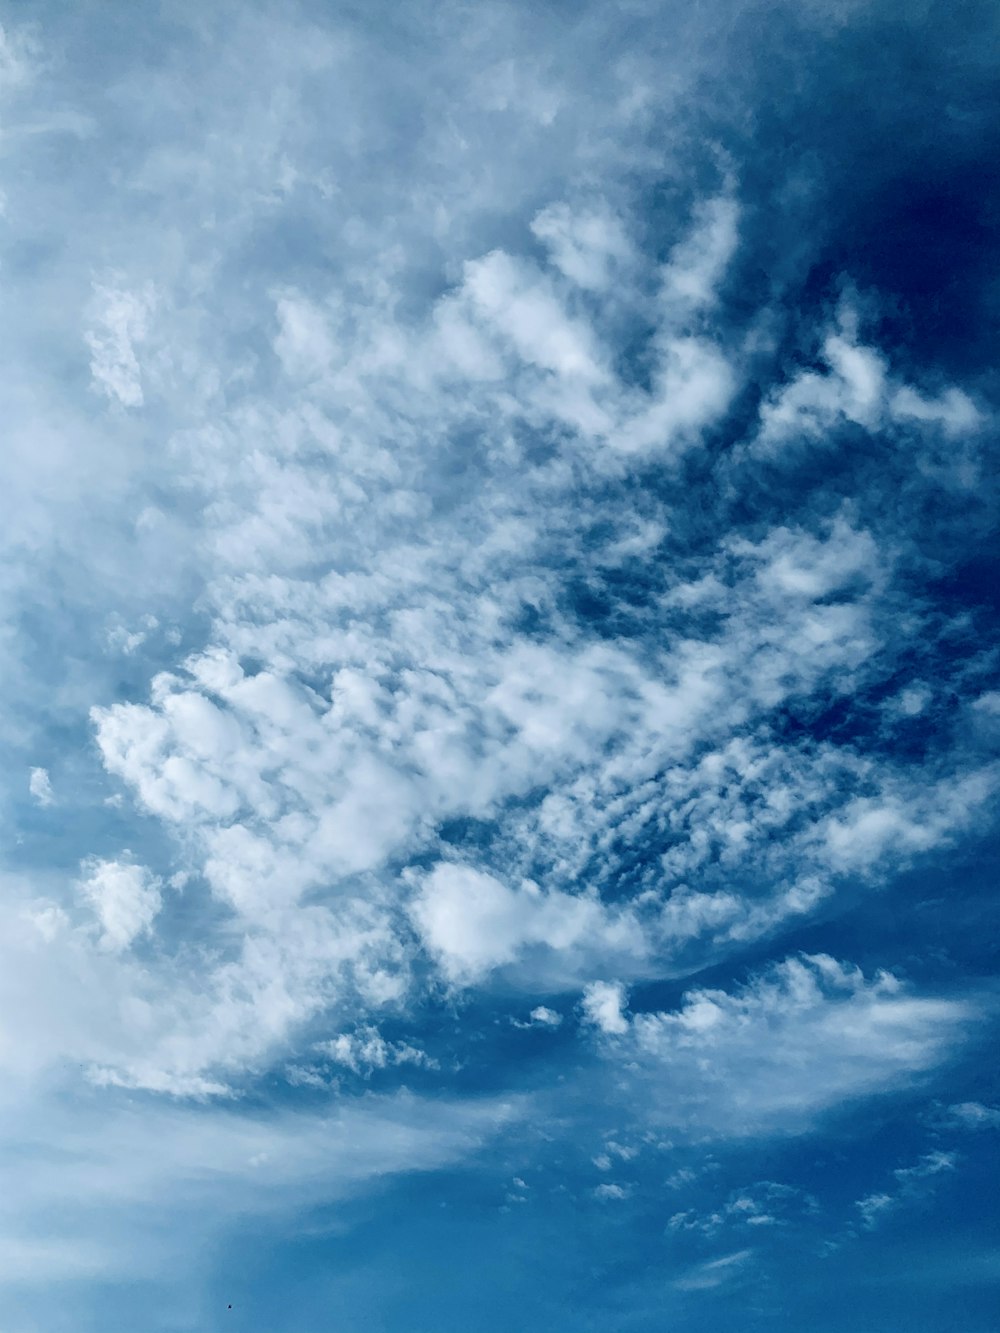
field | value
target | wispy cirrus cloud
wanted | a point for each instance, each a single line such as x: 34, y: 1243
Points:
x: 912, y: 1182
x: 806, y: 1035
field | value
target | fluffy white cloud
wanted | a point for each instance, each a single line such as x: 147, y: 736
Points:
x: 604, y: 1004
x: 954, y: 411
x: 195, y: 1025
x: 857, y: 388
x: 40, y: 786
x: 352, y: 744
x: 472, y: 923
x: 869, y: 829
x: 124, y: 897
x: 435, y: 636
x: 389, y: 484
x: 543, y: 1016
x: 587, y: 244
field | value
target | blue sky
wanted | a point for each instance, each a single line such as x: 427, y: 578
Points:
x: 500, y: 655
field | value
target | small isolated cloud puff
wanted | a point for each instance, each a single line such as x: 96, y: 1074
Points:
x: 40, y: 787
x: 912, y: 701
x: 545, y: 1017
x: 611, y: 1192
x: 125, y: 899
x: 604, y: 1003
x: 540, y: 1017
x: 366, y: 1050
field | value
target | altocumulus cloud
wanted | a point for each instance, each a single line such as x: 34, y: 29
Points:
x: 498, y: 636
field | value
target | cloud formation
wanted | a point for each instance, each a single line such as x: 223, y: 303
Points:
x: 498, y: 601
x: 125, y: 899
x: 806, y: 1035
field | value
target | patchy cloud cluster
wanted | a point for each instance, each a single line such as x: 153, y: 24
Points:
x: 500, y: 640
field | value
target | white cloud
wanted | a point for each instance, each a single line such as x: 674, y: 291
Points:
x: 852, y: 390
x: 458, y: 679
x: 415, y: 714
x: 587, y: 244
x: 988, y: 704
x: 418, y: 710
x: 522, y: 307
x: 715, y: 1272
x: 40, y: 786
x: 136, y: 1183
x: 913, y: 701
x: 800, y: 565
x: 366, y: 1050
x: 472, y: 923
x: 120, y: 324
x: 857, y: 388
x: 19, y: 57
x: 121, y: 639
x: 807, y: 1034
x: 540, y: 1017
x: 954, y: 411
x: 974, y: 1115
x: 125, y: 899
x: 543, y: 1016
x: 912, y: 1184
x: 604, y: 1004
x: 697, y: 264
x: 872, y: 1208
x: 767, y: 1203
x: 187, y: 1024
x: 932, y: 1164
x: 869, y: 829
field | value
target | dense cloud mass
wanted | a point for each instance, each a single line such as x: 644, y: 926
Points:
x: 501, y: 665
